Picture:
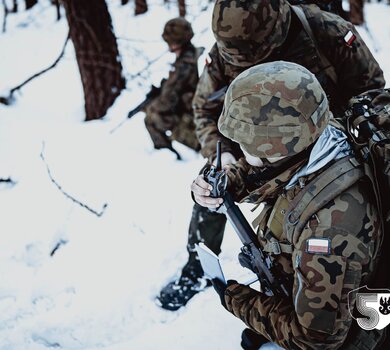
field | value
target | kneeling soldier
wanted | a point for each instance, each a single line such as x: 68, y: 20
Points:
x: 319, y: 225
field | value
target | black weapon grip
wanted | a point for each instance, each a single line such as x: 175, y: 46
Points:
x: 249, y: 238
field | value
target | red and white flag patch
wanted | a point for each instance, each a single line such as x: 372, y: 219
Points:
x: 349, y: 38
x: 318, y: 246
x: 208, y: 60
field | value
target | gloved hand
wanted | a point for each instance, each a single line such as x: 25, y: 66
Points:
x: 245, y: 261
x: 220, y: 288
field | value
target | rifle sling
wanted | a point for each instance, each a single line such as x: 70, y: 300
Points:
x: 326, y: 65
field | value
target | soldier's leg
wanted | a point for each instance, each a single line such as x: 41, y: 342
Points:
x: 184, y: 132
x: 206, y: 227
x: 157, y: 132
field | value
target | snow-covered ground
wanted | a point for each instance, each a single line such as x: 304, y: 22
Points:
x: 97, y: 289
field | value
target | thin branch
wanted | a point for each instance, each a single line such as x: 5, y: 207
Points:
x: 58, y: 10
x: 5, y: 16
x: 142, y: 41
x: 8, y: 100
x: 7, y: 183
x: 60, y: 243
x: 45, y: 70
x: 150, y: 63
x: 97, y: 213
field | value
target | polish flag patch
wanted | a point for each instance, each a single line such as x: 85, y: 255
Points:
x: 349, y: 38
x: 318, y: 246
x: 208, y: 60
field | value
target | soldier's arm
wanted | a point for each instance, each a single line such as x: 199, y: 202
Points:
x: 317, y: 316
x: 206, y: 113
x: 173, y: 88
x: 356, y: 67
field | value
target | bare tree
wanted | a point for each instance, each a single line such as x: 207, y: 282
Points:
x: 140, y: 7
x: 15, y: 6
x: 56, y: 3
x: 182, y: 8
x: 97, y: 54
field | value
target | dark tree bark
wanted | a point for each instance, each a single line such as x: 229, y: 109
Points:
x: 140, y: 7
x: 182, y: 8
x: 15, y: 6
x: 97, y: 54
x: 30, y: 3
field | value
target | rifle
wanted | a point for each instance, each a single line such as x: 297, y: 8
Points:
x: 152, y: 94
x: 271, y: 283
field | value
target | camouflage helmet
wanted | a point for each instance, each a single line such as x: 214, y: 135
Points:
x: 274, y: 109
x: 248, y: 31
x: 177, y: 31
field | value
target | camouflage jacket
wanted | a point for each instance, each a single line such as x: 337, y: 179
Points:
x: 316, y: 315
x: 355, y: 67
x: 178, y: 90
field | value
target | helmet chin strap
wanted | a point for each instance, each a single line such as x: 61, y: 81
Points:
x: 272, y: 170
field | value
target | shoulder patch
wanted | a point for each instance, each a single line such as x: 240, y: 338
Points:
x: 318, y: 246
x: 349, y: 38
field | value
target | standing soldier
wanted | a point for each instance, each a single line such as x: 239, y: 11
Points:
x: 169, y: 116
x: 251, y: 32
x: 319, y: 227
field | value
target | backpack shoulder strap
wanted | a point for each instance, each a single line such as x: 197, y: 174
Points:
x: 328, y: 67
x: 328, y: 185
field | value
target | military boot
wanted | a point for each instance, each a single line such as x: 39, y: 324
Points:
x: 177, y: 293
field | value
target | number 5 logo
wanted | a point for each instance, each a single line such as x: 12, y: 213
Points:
x: 373, y: 305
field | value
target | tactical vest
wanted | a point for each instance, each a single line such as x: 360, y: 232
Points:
x: 289, y: 218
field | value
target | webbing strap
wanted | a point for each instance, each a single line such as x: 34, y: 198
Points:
x: 328, y: 67
x: 327, y: 186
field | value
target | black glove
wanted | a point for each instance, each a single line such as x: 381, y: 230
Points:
x: 245, y: 261
x: 250, y: 340
x: 220, y: 288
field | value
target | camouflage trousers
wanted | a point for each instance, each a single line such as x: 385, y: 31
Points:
x: 207, y: 227
x: 181, y: 128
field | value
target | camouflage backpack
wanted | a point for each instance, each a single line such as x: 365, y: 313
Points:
x: 367, y: 122
x: 334, y: 6
x: 367, y: 125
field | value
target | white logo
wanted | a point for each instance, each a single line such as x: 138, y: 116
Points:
x: 373, y: 305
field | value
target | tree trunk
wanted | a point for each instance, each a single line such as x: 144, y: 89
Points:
x: 30, y: 3
x: 140, y: 7
x: 182, y: 8
x: 97, y: 54
x: 14, y: 7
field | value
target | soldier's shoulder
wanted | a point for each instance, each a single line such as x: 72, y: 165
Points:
x: 324, y: 23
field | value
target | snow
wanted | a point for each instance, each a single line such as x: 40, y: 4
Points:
x: 96, y: 291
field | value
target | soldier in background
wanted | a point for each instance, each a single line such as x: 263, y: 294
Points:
x: 323, y: 235
x: 251, y: 32
x: 169, y: 116
x: 356, y: 13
